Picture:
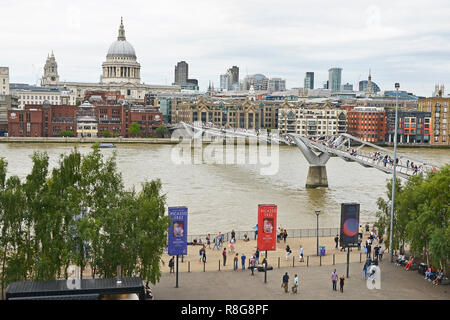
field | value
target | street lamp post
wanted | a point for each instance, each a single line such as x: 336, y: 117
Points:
x: 317, y: 212
x: 391, y: 253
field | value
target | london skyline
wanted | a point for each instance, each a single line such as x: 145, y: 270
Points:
x: 395, y: 41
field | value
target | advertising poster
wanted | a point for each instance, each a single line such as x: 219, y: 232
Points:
x: 178, y: 231
x: 349, y: 224
x: 267, y: 227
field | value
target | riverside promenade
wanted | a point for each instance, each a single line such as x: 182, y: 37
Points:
x: 191, y: 261
x: 87, y: 140
x: 314, y: 284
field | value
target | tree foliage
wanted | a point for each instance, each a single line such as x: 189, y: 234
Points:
x: 161, y: 131
x: 66, y: 133
x: 134, y: 129
x: 422, y: 215
x: 79, y: 214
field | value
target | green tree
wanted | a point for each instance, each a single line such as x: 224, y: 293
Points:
x: 80, y: 214
x: 134, y: 129
x: 161, y: 131
x: 66, y: 133
x: 106, y: 134
x: 422, y: 215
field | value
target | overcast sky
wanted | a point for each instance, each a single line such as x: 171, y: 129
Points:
x: 401, y: 41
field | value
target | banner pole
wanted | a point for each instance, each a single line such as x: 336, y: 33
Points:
x: 265, y: 270
x: 348, y: 259
x: 176, y: 286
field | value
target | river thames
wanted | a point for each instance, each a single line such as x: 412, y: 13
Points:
x: 226, y: 197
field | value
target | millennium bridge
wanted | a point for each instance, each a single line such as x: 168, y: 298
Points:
x: 318, y: 151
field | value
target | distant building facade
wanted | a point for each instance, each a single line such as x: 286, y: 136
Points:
x: 367, y: 123
x: 4, y: 81
x: 277, y: 84
x: 334, y: 79
x: 439, y: 109
x: 100, y: 112
x: 311, y: 121
x: 309, y: 80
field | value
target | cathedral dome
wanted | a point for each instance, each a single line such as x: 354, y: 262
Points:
x: 121, y: 48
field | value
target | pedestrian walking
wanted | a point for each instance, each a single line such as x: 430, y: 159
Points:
x: 224, y: 254
x: 365, y: 267
x: 256, y: 230
x: 295, y: 286
x: 278, y: 235
x: 336, y: 239
x: 233, y: 235
x: 171, y: 264
x: 380, y: 253
x: 236, y: 260
x: 288, y: 252
x: 200, y: 254
x: 301, y: 254
x: 257, y: 256
x: 208, y: 241
x: 243, y: 257
x: 204, y: 255
x: 334, y: 277
x: 341, y: 283
x: 285, y: 283
x: 285, y: 235
x: 252, y: 264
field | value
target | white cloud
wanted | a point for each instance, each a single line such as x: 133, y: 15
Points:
x: 402, y: 41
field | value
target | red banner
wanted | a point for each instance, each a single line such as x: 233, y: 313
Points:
x: 267, y: 227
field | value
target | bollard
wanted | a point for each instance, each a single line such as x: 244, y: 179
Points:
x: 204, y: 264
x: 189, y: 266
x: 293, y: 261
x: 307, y: 261
x: 278, y: 262
x: 320, y: 258
x: 334, y: 262
x: 360, y: 257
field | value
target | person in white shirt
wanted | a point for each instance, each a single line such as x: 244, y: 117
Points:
x: 295, y: 286
x: 301, y: 254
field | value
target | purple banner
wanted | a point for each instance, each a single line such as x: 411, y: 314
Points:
x: 178, y: 229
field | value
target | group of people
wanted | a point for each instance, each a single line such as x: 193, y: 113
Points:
x: 281, y: 234
x: 334, y: 279
x: 285, y: 283
x: 434, y: 275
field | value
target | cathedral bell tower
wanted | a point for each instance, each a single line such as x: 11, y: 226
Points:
x: 50, y: 77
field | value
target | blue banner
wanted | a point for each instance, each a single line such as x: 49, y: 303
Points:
x: 178, y: 229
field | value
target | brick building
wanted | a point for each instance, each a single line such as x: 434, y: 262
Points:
x: 366, y: 123
x: 90, y: 119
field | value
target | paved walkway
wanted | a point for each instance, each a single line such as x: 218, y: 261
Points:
x: 213, y: 257
x: 315, y: 284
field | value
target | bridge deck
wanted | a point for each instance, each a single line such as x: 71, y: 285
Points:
x: 334, y: 147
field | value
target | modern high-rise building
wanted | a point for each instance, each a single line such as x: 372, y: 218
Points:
x: 334, y: 79
x: 347, y: 86
x: 223, y: 82
x: 277, y: 84
x: 181, y: 73
x: 258, y: 81
x: 182, y: 77
x: 363, y: 86
x: 309, y: 80
x: 234, y: 71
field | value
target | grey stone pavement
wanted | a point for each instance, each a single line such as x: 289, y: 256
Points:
x: 315, y: 284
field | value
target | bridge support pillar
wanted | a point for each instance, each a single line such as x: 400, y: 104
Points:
x: 317, y: 177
